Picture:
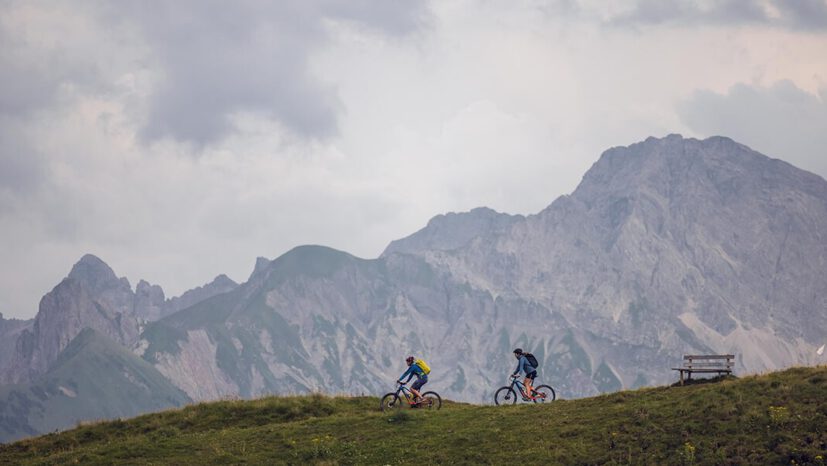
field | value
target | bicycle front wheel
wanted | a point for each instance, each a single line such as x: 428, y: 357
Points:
x: 505, y: 396
x: 390, y: 401
x: 544, y: 394
x: 431, y: 400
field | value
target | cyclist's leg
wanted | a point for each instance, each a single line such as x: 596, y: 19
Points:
x: 529, y: 383
x: 521, y: 389
x: 417, y: 385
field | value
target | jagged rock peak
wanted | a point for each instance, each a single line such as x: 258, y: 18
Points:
x: 144, y: 288
x: 261, y: 265
x: 677, y: 167
x: 145, y: 285
x: 223, y: 280
x: 478, y: 213
x: 674, y: 165
x: 95, y: 273
x: 453, y: 230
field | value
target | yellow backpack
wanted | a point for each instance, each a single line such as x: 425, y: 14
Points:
x: 423, y: 365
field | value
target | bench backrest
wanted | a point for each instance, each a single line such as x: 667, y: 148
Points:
x: 710, y: 361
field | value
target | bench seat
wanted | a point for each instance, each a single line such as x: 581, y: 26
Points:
x: 705, y: 363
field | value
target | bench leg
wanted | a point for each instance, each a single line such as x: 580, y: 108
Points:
x: 681, y: 378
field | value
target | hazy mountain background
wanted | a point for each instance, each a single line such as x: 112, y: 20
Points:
x: 667, y: 247
x: 93, y: 378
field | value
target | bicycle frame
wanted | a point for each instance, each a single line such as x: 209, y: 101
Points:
x: 520, y: 386
x: 406, y: 394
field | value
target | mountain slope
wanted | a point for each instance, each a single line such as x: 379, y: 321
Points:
x: 248, y: 341
x: 667, y: 247
x: 777, y: 418
x: 93, y: 378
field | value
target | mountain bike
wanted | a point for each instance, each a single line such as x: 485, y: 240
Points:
x: 395, y: 400
x: 508, y: 395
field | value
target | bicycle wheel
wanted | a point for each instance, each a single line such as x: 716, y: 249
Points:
x: 544, y: 394
x: 390, y: 401
x: 505, y: 396
x: 431, y: 400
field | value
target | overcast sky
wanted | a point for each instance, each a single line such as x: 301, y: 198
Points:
x: 180, y: 140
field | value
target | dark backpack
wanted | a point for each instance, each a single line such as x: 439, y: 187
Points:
x: 532, y: 360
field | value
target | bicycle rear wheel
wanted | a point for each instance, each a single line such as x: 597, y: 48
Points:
x: 505, y: 396
x: 431, y: 400
x: 544, y: 394
x: 390, y: 401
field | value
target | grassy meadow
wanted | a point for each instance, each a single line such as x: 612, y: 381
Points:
x: 777, y: 418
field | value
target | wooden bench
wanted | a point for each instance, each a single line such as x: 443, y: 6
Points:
x: 706, y: 363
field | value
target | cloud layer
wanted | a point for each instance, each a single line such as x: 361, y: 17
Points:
x: 801, y: 15
x: 215, y: 62
x: 180, y: 140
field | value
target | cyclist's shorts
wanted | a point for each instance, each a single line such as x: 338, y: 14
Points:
x: 531, y: 375
x: 419, y: 383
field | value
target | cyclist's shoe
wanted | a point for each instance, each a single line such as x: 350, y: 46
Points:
x: 525, y: 398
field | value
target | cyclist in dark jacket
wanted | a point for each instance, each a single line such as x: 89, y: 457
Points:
x: 525, y: 366
x: 414, y: 370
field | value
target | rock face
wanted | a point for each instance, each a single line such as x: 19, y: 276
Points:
x: 91, y: 296
x: 10, y: 331
x: 149, y: 301
x: 667, y: 247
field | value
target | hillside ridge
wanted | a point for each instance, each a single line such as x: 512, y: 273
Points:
x: 774, y: 418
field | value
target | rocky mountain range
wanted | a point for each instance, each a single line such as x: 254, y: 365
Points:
x: 667, y: 247
x: 92, y: 296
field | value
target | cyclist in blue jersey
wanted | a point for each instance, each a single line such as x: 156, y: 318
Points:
x: 414, y: 370
x: 525, y: 366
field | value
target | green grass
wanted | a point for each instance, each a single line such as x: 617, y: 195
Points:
x: 779, y: 418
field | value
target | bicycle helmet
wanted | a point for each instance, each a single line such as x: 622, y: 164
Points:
x: 518, y: 351
x: 409, y: 359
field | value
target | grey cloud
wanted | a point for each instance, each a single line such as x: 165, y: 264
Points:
x: 216, y: 59
x: 806, y: 14
x: 803, y: 15
x: 220, y: 59
x: 781, y: 121
x: 22, y: 168
x: 389, y: 17
x: 32, y: 74
x: 25, y: 88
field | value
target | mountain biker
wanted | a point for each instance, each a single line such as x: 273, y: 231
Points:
x: 414, y: 370
x: 530, y: 371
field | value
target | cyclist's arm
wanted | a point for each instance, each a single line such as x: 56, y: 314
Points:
x: 520, y: 365
x: 409, y: 373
